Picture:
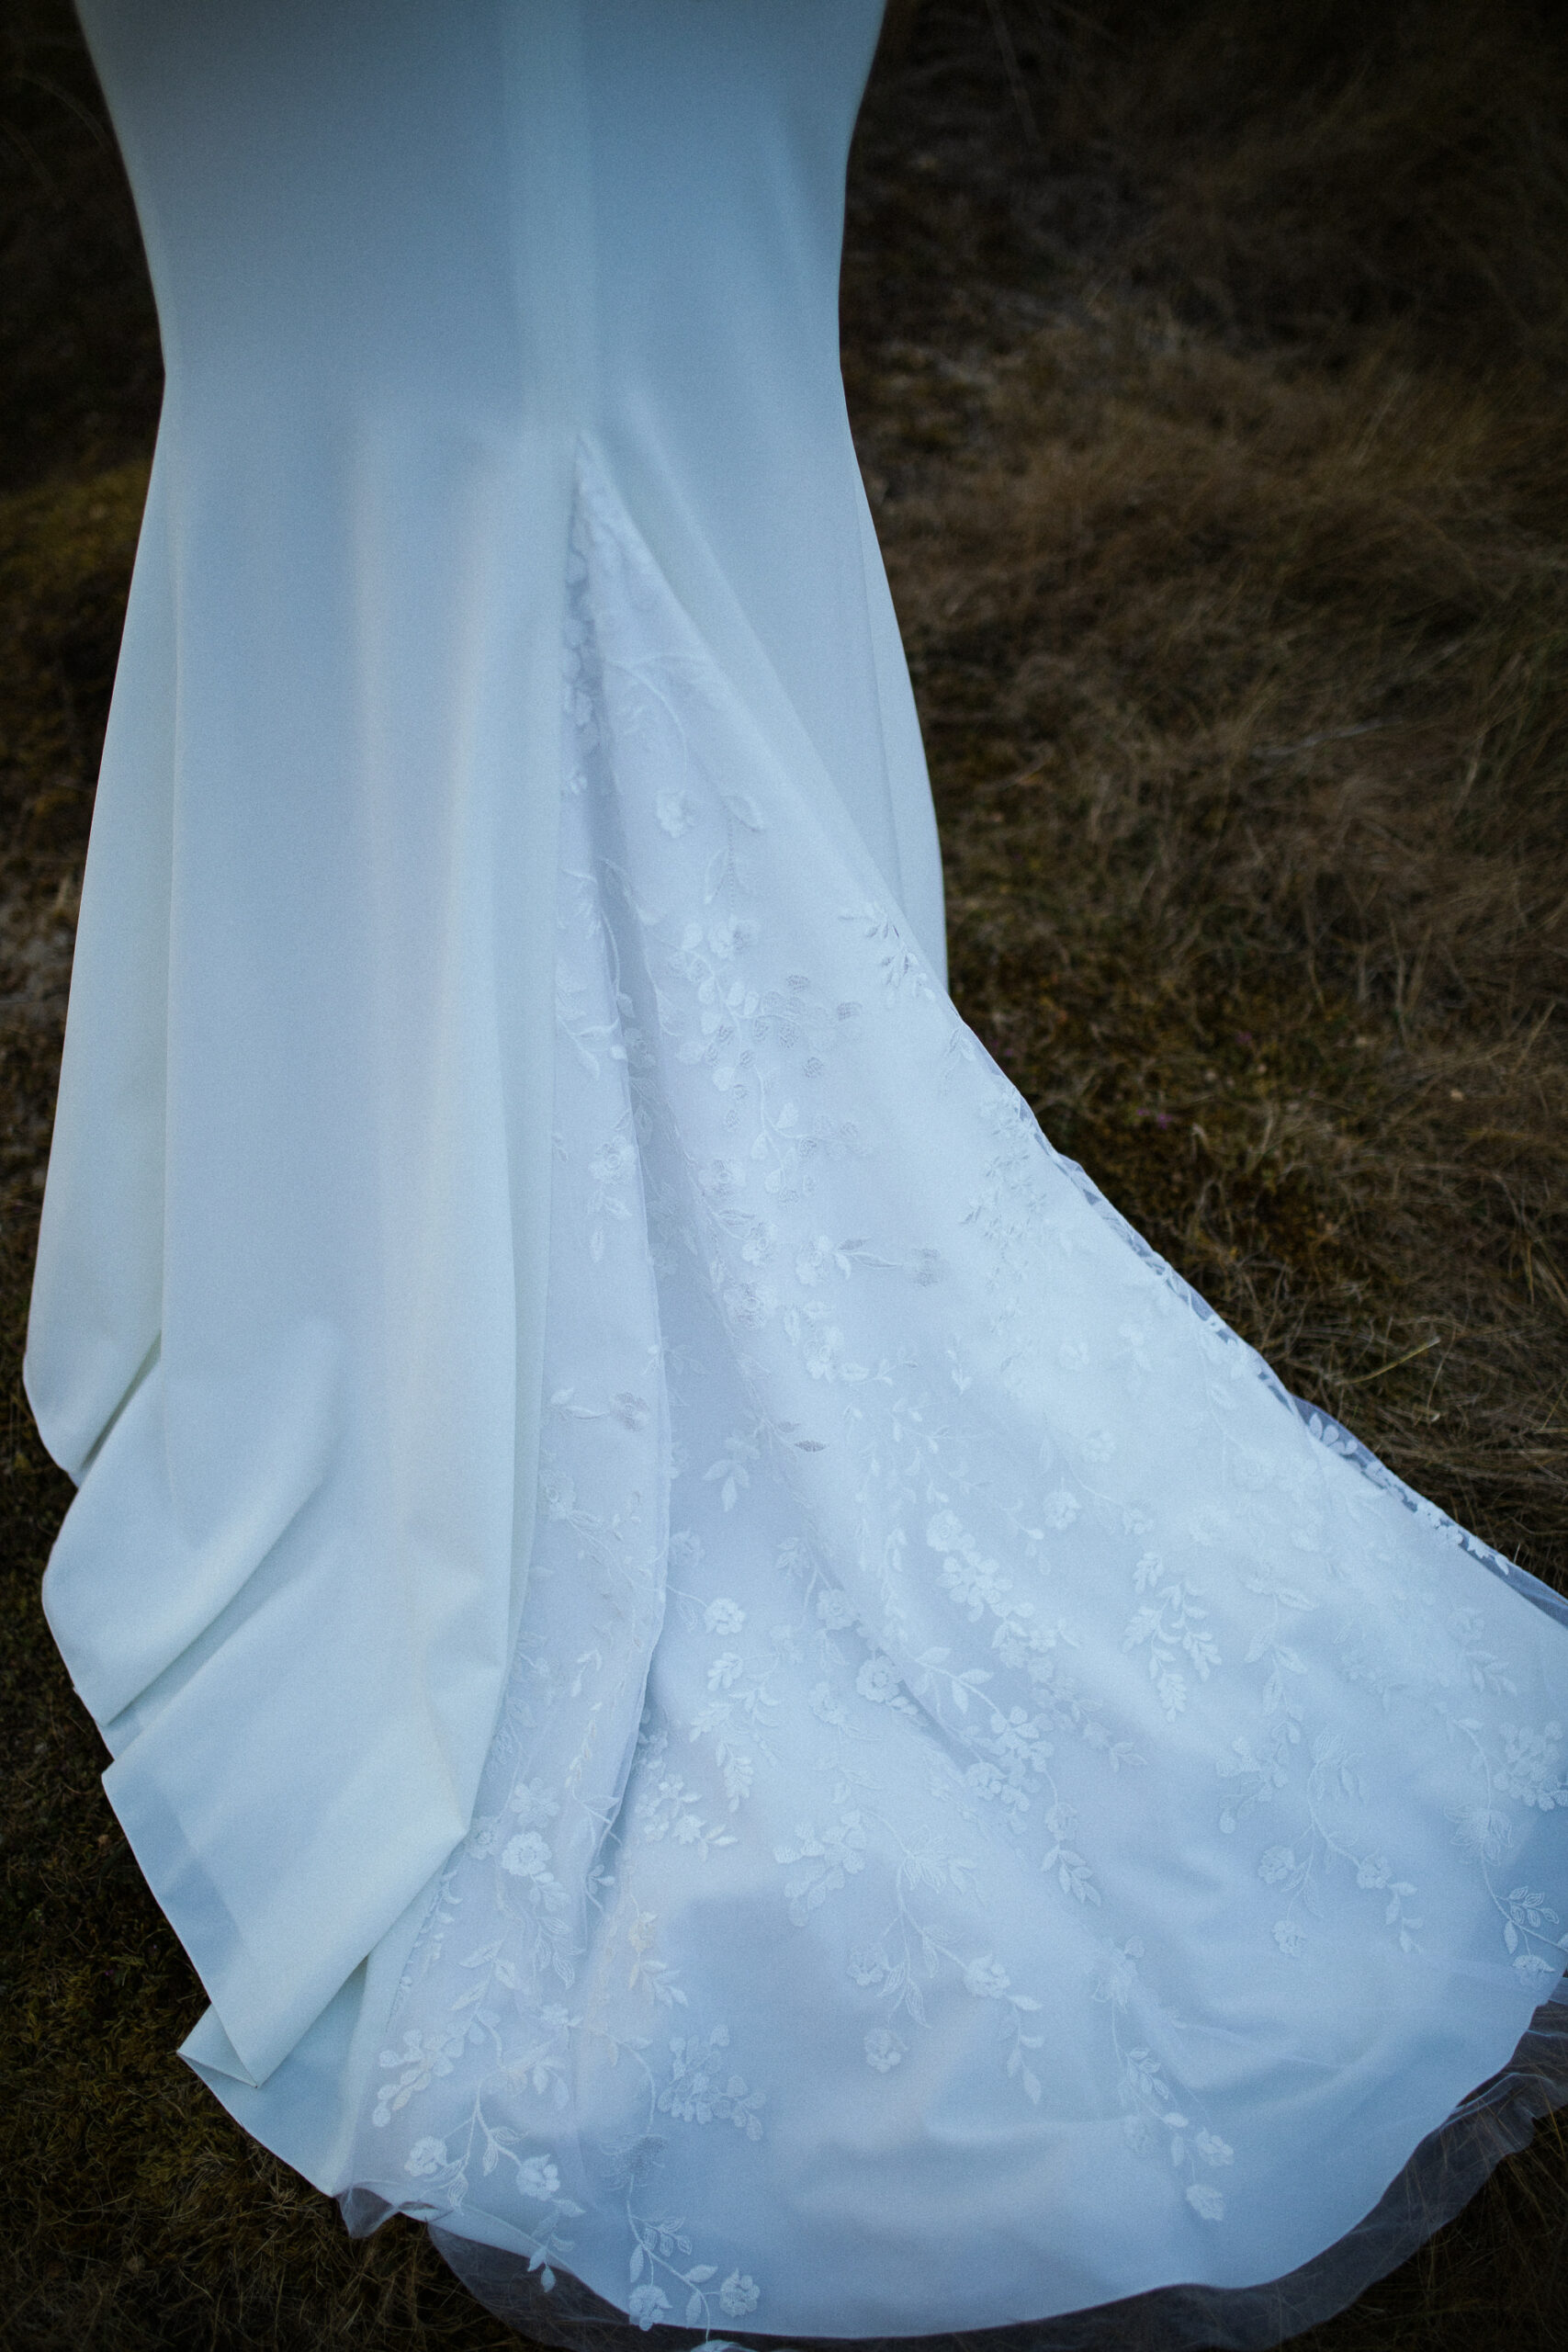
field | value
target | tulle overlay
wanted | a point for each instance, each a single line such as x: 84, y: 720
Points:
x: 998, y: 1809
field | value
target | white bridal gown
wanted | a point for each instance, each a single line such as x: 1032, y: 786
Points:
x: 741, y: 1701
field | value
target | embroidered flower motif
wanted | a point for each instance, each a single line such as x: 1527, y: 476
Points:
x: 538, y: 2176
x: 738, y: 2294
x: 1483, y: 1832
x: 676, y: 811
x: 985, y: 1978
x: 1529, y: 1771
x: 422, y: 2059
x: 720, y: 1178
x: 426, y: 2156
x: 613, y: 1161
x: 877, y: 1680
x: 727, y: 938
x: 750, y: 1305
x: 724, y: 1617
x: 647, y: 2303
x: 1116, y: 1975
x: 527, y: 1856
x: 1206, y: 2202
x: 836, y: 1611
x: 532, y: 1803
x: 884, y: 2051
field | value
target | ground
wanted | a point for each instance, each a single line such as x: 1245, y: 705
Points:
x: 1204, y: 361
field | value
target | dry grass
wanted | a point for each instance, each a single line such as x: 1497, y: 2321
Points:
x: 1203, y: 361
x: 1244, y: 665
x: 1246, y: 693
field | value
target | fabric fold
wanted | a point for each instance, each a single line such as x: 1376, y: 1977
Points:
x: 289, y: 1312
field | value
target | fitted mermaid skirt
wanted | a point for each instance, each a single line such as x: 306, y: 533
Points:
x: 741, y: 1700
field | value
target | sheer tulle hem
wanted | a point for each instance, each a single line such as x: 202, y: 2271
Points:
x: 1445, y: 2172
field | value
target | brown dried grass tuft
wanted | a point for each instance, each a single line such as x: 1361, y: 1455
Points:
x: 1203, y: 363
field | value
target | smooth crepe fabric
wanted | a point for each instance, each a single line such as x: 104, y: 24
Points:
x: 289, y: 1298
x: 731, y: 1686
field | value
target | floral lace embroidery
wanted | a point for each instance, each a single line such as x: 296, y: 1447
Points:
x: 993, y: 1550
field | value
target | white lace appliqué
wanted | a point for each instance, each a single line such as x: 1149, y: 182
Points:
x: 955, y: 1681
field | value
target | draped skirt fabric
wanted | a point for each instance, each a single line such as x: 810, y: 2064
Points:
x: 741, y: 1700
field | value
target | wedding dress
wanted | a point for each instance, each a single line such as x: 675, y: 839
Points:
x: 741, y: 1699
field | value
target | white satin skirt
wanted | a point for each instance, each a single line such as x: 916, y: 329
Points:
x: 741, y: 1700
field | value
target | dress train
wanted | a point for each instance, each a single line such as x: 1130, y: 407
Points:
x: 742, y: 1701
x: 999, y: 1810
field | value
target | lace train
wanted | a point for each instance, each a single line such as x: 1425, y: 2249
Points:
x: 998, y: 1811
x: 1445, y: 2173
